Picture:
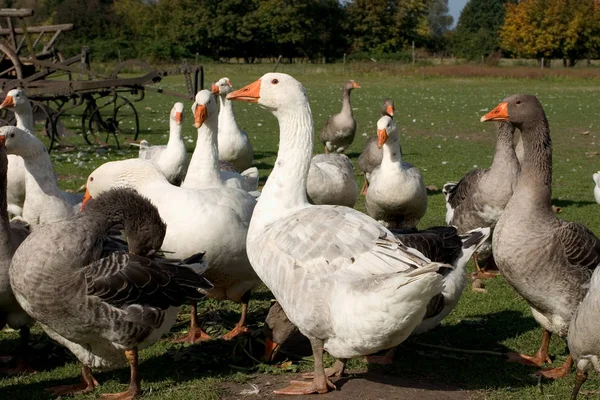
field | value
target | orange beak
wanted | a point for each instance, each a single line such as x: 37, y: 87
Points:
x: 178, y: 117
x: 8, y: 102
x: 200, y: 115
x: 390, y: 110
x: 270, y: 349
x: 382, y: 137
x: 214, y: 89
x: 500, y: 113
x: 355, y: 85
x: 3, y: 141
x: 86, y: 198
x: 250, y: 93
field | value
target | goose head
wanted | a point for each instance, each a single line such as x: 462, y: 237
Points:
x: 276, y: 92
x: 144, y: 228
x: 387, y: 108
x: 19, y: 142
x: 222, y: 87
x: 350, y: 84
x: 16, y: 100
x: 132, y: 173
x: 387, y: 131
x: 204, y: 108
x: 177, y: 113
x: 519, y: 110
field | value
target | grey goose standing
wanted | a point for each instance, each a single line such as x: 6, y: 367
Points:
x: 479, y: 198
x: 548, y: 261
x: 104, y: 309
x: 338, y: 133
x: 11, y: 235
x: 371, y: 156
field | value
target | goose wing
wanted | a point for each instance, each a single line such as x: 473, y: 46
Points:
x: 123, y: 279
x: 580, y: 246
x: 457, y: 193
x: 438, y: 243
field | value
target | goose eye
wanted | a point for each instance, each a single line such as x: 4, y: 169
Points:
x: 275, y: 81
x: 91, y: 179
x: 12, y: 135
x: 518, y: 102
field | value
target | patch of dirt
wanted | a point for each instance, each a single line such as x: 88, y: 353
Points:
x: 359, y: 385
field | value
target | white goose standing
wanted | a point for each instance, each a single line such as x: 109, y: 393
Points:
x: 171, y: 158
x: 357, y: 292
x: 234, y: 145
x: 17, y: 101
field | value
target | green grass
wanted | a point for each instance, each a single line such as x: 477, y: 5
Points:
x: 441, y: 134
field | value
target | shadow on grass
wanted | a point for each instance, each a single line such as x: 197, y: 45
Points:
x: 571, y: 203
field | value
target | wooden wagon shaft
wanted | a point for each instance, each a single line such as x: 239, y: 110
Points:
x: 39, y: 29
x: 52, y: 67
x: 16, y: 12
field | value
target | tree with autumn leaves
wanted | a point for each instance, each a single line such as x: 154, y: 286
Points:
x: 566, y: 29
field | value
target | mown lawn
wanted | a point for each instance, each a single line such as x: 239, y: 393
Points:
x: 441, y: 134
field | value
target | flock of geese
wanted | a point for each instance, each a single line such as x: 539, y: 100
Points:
x: 352, y: 284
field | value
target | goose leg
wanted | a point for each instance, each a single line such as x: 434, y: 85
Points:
x: 326, y: 150
x: 481, y: 273
x: 240, y: 327
x: 195, y: 333
x: 22, y: 366
x: 580, y: 378
x: 540, y: 358
x: 87, y: 385
x: 386, y: 359
x: 365, y: 187
x: 557, y: 373
x: 338, y: 370
x: 135, y: 388
x: 320, y: 383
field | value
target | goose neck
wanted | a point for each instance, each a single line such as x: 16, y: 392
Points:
x: 175, y: 130
x: 391, y: 152
x: 204, y: 165
x: 504, y: 155
x: 346, y: 106
x: 24, y: 118
x: 4, y: 221
x: 285, y: 188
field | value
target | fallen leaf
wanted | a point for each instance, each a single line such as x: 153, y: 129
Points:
x: 585, y: 133
x: 591, y: 153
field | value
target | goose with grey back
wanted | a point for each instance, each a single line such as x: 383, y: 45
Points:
x: 104, y: 309
x: 371, y: 156
x: 44, y: 202
x: 204, y: 172
x: 439, y: 244
x: 555, y: 280
x: 480, y: 197
x: 234, y: 144
x: 331, y: 180
x: 584, y: 332
x: 188, y: 213
x: 171, y: 159
x: 11, y: 235
x: 339, y: 130
x: 318, y: 259
x: 17, y: 101
x: 397, y: 195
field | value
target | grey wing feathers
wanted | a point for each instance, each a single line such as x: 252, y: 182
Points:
x: 581, y: 246
x: 123, y: 279
x: 438, y: 243
x: 371, y: 156
x: 19, y: 229
x: 151, y: 152
x: 456, y: 193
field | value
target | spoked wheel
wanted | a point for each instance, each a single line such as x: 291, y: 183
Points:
x: 117, y: 117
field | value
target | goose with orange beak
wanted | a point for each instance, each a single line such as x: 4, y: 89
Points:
x: 547, y: 260
x: 234, y: 143
x: 397, y: 195
x: 171, y: 159
x: 204, y: 170
x: 317, y: 260
x: 339, y: 130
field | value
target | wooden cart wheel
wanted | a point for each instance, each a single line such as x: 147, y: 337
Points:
x: 10, y: 65
x: 117, y: 117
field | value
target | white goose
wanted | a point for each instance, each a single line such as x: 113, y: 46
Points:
x: 204, y: 172
x: 171, y: 159
x: 597, y: 187
x: 211, y: 220
x: 342, y: 278
x: 331, y: 180
x: 396, y: 192
x: 16, y: 101
x: 234, y: 145
x: 44, y: 202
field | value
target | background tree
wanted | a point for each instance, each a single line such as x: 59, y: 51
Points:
x: 476, y: 33
x: 439, y: 22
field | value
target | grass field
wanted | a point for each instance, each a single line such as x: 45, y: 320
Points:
x: 438, y: 117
